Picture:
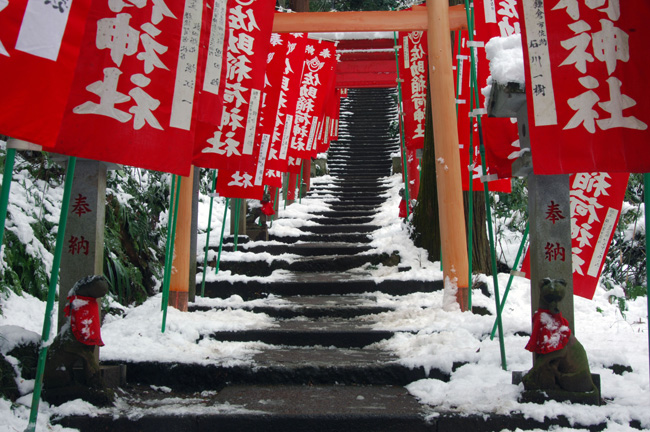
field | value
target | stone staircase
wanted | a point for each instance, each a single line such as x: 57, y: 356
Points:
x: 320, y: 367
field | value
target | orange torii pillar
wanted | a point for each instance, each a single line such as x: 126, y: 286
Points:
x: 438, y: 19
x: 445, y: 136
x: 180, y: 278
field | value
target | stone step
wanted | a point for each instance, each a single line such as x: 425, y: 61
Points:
x: 347, y: 306
x: 329, y: 263
x: 327, y: 332
x: 321, y: 283
x: 337, y: 229
x: 321, y: 238
x: 284, y: 365
x: 302, y: 249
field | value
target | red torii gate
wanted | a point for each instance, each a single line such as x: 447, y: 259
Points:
x: 438, y: 19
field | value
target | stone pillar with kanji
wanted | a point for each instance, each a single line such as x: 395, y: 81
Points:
x: 83, y: 251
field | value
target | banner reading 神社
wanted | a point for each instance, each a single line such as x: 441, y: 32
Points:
x: 39, y: 46
x: 132, y: 99
x: 586, y: 84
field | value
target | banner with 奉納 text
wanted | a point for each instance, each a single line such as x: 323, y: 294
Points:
x: 230, y: 142
x: 132, y: 98
x: 596, y: 200
x: 39, y: 47
x: 586, y: 88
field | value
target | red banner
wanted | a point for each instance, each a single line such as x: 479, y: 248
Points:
x: 230, y: 144
x: 462, y: 64
x: 501, y: 139
x: 586, y: 88
x: 413, y: 73
x: 238, y: 184
x: 596, y: 201
x: 39, y: 46
x: 277, y: 161
x: 132, y: 97
x: 317, y: 71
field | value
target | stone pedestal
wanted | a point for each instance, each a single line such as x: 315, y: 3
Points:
x: 83, y: 252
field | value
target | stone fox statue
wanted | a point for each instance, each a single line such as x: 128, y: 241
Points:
x: 560, y: 360
x: 72, y: 370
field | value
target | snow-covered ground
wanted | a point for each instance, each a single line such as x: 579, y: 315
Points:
x: 430, y: 336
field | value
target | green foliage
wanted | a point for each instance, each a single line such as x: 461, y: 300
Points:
x: 134, y: 234
x: 29, y: 235
x: 625, y: 264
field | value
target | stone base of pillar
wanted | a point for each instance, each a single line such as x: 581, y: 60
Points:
x: 179, y: 300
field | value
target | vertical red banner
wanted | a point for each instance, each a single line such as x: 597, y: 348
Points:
x: 230, y: 144
x: 132, y: 99
x: 586, y: 87
x: 277, y: 161
x: 413, y: 72
x: 318, y: 67
x: 39, y: 47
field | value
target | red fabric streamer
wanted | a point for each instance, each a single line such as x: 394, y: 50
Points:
x: 267, y: 208
x: 84, y: 319
x: 551, y: 332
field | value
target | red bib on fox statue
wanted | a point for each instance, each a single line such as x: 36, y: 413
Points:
x: 84, y: 319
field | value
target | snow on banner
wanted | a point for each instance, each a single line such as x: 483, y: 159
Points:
x: 462, y: 63
x: 585, y: 84
x: 595, y: 200
x: 230, y: 142
x: 500, y: 135
x: 39, y: 46
x: 132, y: 99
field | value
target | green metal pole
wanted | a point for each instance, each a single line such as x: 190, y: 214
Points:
x: 486, y: 189
x: 275, y: 204
x: 515, y: 266
x: 207, y: 236
x: 6, y: 186
x: 237, y: 210
x: 401, y: 123
x: 646, y: 193
x: 51, y: 294
x: 302, y: 166
x: 223, y: 227
x: 171, y: 255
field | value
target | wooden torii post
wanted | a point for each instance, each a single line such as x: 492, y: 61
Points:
x: 438, y: 19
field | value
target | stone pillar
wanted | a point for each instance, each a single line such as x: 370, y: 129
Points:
x: 550, y: 237
x: 83, y: 251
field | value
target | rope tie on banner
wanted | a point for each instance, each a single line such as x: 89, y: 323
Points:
x: 169, y: 263
x: 402, y: 133
x: 51, y: 293
x: 486, y: 190
x: 223, y: 228
x: 207, y: 236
